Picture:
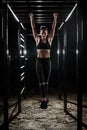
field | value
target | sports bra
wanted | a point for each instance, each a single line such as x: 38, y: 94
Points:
x: 42, y: 45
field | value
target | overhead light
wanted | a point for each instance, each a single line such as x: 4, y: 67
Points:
x: 71, y: 12
x: 61, y: 26
x: 13, y: 13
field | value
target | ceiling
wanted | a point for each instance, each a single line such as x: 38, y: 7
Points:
x: 42, y: 10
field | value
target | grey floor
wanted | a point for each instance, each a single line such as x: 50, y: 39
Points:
x: 33, y: 117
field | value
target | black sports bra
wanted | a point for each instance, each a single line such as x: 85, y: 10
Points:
x: 42, y: 45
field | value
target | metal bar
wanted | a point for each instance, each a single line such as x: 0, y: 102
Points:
x: 59, y: 22
x: 38, y: 20
x: 41, y: 10
x: 13, y: 111
x: 30, y: 34
x: 38, y: 17
x: 64, y: 67
x: 71, y: 12
x: 22, y: 90
x: 79, y: 19
x: 21, y: 46
x: 41, y: 21
x: 39, y: 1
x: 42, y: 18
x: 59, y: 67
x: 39, y: 14
x: 48, y: 6
x: 22, y: 78
x: 19, y: 96
x: 13, y: 13
x: 22, y: 73
x: 21, y: 35
x: 41, y: 6
x: 22, y: 67
x: 5, y: 62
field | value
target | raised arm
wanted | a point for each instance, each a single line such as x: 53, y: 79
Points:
x: 36, y: 37
x: 52, y: 32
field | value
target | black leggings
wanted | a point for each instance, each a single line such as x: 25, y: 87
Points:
x: 43, y: 70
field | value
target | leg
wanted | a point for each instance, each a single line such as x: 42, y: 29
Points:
x: 41, y: 78
x: 47, y: 72
x: 41, y: 72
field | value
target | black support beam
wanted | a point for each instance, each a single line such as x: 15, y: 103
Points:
x: 5, y: 62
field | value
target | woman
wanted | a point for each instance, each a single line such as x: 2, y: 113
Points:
x: 43, y: 63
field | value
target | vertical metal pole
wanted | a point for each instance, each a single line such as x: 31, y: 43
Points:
x: 5, y: 62
x: 24, y: 95
x: 79, y: 88
x: 64, y: 67
x: 59, y: 67
x: 19, y: 95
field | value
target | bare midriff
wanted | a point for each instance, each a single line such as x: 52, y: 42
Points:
x: 43, y: 53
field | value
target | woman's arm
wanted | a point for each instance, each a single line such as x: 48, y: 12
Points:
x: 36, y: 37
x: 52, y: 32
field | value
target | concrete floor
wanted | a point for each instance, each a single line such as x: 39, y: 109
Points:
x: 33, y: 117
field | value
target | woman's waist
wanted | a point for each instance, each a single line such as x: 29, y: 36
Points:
x: 43, y: 53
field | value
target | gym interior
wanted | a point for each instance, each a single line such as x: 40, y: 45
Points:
x: 19, y: 91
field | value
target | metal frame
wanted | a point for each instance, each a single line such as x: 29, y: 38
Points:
x: 5, y: 63
x: 40, y: 9
x: 79, y: 40
x: 5, y: 125
x: 64, y: 66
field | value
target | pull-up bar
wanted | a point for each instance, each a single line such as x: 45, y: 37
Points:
x: 41, y: 1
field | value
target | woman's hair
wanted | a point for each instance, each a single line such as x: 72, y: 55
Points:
x: 43, y: 27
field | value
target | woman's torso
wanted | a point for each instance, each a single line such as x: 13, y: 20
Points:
x: 43, y: 49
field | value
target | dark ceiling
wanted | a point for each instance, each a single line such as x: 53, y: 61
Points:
x: 42, y: 9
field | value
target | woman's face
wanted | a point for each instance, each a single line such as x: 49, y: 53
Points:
x: 43, y: 33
